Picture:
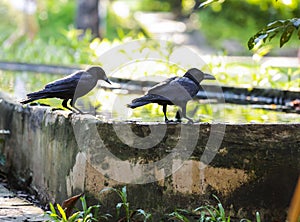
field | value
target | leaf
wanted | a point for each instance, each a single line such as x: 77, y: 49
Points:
x: 296, y: 22
x: 108, y: 189
x: 212, y: 212
x: 184, y: 211
x: 83, y: 203
x: 260, y: 38
x: 228, y: 219
x: 206, y: 3
x: 118, y: 207
x: 106, y: 216
x: 271, y: 36
x: 74, y: 217
x: 179, y: 216
x: 62, y: 212
x: 144, y: 214
x: 256, y: 39
x: 69, y: 204
x: 214, y: 196
x: 88, y: 217
x: 53, y: 215
x: 286, y: 35
x: 199, y: 208
x: 52, y: 208
x: 257, y: 217
x: 222, y: 211
x: 274, y: 24
x: 124, y: 194
x: 274, y: 30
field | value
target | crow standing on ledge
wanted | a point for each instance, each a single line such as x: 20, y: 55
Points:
x: 70, y: 87
x: 174, y: 91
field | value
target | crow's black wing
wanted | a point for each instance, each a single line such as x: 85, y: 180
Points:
x: 153, y: 95
x: 67, y: 84
x: 160, y: 86
x: 176, y: 89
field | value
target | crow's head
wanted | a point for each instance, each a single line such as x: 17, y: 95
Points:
x: 98, y: 73
x: 197, y: 75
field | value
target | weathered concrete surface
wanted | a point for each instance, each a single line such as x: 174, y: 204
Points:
x: 58, y: 155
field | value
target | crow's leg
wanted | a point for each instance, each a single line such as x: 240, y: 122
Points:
x: 178, y: 116
x: 165, y: 113
x: 65, y: 104
x: 184, y: 114
x: 73, y: 101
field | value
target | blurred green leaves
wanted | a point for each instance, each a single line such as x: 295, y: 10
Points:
x: 64, y: 50
x: 55, y: 16
x: 258, y: 13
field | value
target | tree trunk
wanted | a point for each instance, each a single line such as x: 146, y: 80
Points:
x: 87, y: 16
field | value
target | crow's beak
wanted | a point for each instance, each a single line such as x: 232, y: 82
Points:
x: 106, y: 80
x: 209, y: 76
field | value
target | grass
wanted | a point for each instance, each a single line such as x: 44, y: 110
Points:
x: 124, y: 212
x: 206, y: 213
x: 130, y: 214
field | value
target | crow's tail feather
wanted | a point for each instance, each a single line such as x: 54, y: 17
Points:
x: 25, y: 101
x: 138, y: 102
x: 35, y: 96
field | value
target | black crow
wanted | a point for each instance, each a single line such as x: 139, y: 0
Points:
x: 70, y: 87
x: 174, y: 91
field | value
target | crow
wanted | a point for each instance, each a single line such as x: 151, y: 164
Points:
x: 174, y: 91
x: 70, y: 87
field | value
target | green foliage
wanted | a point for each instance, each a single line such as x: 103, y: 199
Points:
x: 206, y: 213
x: 285, y: 27
x: 57, y: 41
x: 261, y: 75
x: 154, y: 5
x: 118, y: 27
x: 284, y: 9
x: 66, y: 50
x: 210, y: 213
x: 207, y: 2
x: 55, y: 16
x: 277, y: 10
x: 216, y: 35
x: 87, y: 214
x: 130, y: 214
x: 218, y: 22
x: 179, y: 7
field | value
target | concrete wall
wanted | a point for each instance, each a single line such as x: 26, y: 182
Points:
x: 59, y: 155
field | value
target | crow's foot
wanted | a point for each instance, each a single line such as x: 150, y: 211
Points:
x: 168, y: 121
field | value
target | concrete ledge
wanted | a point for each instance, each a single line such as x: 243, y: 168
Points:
x: 58, y: 155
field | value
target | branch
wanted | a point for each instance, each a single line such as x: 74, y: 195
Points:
x: 285, y: 27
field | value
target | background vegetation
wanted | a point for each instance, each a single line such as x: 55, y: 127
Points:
x: 57, y: 40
